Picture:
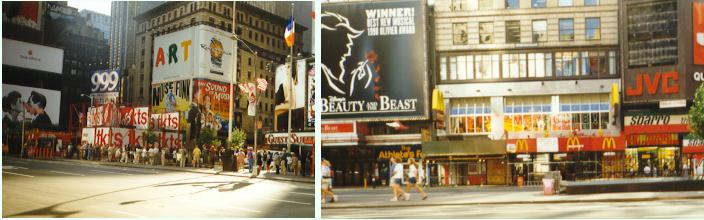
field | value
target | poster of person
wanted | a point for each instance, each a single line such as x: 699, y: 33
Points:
x: 374, y: 61
x: 286, y: 97
x: 210, y: 106
x: 310, y: 107
x: 38, y: 107
x: 172, y: 97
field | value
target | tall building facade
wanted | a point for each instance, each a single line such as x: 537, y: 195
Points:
x: 259, y: 31
x: 97, y: 20
x: 663, y: 62
x: 529, y: 87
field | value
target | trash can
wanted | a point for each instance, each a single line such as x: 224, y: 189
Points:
x: 548, y: 186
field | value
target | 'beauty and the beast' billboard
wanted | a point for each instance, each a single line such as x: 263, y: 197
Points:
x: 374, y: 61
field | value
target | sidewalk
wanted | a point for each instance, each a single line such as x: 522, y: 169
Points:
x: 475, y: 195
x: 270, y: 176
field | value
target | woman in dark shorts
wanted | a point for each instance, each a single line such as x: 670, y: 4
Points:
x: 413, y: 178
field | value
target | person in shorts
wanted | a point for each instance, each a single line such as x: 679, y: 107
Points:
x: 326, y: 182
x: 396, y: 180
x: 413, y: 178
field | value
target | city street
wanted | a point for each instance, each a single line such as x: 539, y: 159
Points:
x: 513, y: 202
x: 33, y: 188
x: 652, y: 209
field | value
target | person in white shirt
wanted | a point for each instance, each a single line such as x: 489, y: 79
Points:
x: 413, y: 178
x: 326, y: 182
x: 396, y: 180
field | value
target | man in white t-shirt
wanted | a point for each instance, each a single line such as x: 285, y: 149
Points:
x: 396, y: 180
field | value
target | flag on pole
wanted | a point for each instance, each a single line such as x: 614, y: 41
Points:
x: 290, y: 31
x: 261, y: 84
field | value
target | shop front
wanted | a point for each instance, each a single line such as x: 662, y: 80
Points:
x: 301, y: 144
x: 357, y: 165
x: 692, y: 156
x: 655, y: 143
x: 576, y: 158
x: 472, y: 161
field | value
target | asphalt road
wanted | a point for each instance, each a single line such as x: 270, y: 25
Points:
x: 33, y: 188
x: 667, y: 209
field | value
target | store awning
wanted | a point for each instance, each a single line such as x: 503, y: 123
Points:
x: 469, y: 146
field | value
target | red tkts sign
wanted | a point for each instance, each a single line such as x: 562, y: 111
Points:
x: 669, y: 81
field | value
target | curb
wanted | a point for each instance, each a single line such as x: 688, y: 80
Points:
x: 179, y: 170
x: 517, y: 202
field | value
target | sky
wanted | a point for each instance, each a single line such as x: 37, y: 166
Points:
x: 100, y: 6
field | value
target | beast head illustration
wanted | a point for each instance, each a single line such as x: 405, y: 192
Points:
x: 347, y: 76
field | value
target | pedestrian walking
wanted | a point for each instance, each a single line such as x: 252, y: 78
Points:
x: 250, y: 160
x: 70, y: 151
x: 397, y: 179
x: 284, y: 171
x: 196, y: 157
x: 145, y: 155
x: 182, y: 157
x: 326, y: 182
x: 163, y: 156
x: 413, y: 178
x: 277, y: 162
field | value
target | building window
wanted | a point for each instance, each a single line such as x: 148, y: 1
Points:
x: 539, y: 65
x: 141, y: 65
x: 459, y: 33
x: 486, y: 4
x: 566, y: 64
x: 591, y: 2
x: 514, y: 65
x: 443, y: 68
x: 566, y: 29
x: 470, y: 116
x: 512, y: 4
x: 593, y: 29
x: 249, y: 61
x: 486, y: 32
x: 564, y: 3
x: 487, y: 66
x: 513, y: 31
x: 527, y: 114
x: 540, y: 31
x: 538, y: 3
x: 652, y: 34
x: 457, y: 5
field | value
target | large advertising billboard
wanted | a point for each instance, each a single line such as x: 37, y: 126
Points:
x: 698, y: 31
x: 200, y: 51
x: 32, y: 56
x: 23, y: 13
x: 287, y: 96
x: 374, y: 61
x: 39, y: 107
x: 210, y: 107
x: 172, y: 97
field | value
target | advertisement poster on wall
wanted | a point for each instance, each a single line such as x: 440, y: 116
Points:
x: 286, y: 97
x: 698, y: 31
x: 39, y: 107
x: 200, y: 51
x: 172, y: 97
x: 137, y: 117
x: 310, y: 105
x: 23, y: 13
x: 210, y: 106
x: 32, y: 56
x: 105, y: 86
x: 373, y: 68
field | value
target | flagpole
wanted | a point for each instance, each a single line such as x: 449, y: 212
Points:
x: 233, y: 78
x: 290, y: 80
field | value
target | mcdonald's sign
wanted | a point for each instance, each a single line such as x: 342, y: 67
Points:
x: 608, y: 143
x: 522, y: 145
x: 573, y: 144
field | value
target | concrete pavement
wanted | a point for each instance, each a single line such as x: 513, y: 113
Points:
x: 264, y: 175
x: 359, y: 198
x: 34, y: 188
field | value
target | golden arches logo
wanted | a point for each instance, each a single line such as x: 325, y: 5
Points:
x: 522, y: 144
x: 608, y: 143
x: 573, y: 143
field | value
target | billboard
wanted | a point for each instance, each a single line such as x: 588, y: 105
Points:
x: 39, y: 107
x: 199, y: 51
x: 310, y: 106
x: 698, y: 31
x: 105, y: 81
x: 22, y: 13
x: 210, y: 106
x: 287, y: 96
x: 166, y: 121
x: 32, y: 56
x: 374, y: 61
x: 172, y: 97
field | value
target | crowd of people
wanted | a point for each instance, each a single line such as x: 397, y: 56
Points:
x: 285, y: 163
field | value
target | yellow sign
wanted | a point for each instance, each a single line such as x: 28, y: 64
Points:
x: 405, y: 153
x: 608, y: 143
x: 573, y: 143
x: 521, y: 144
x: 438, y: 102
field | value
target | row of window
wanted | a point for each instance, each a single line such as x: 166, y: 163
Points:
x: 528, y: 65
x: 539, y: 31
x: 480, y: 123
x: 460, y: 5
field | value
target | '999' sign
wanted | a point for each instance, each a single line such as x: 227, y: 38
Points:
x: 105, y: 81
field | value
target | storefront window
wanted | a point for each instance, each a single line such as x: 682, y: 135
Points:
x: 471, y: 117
